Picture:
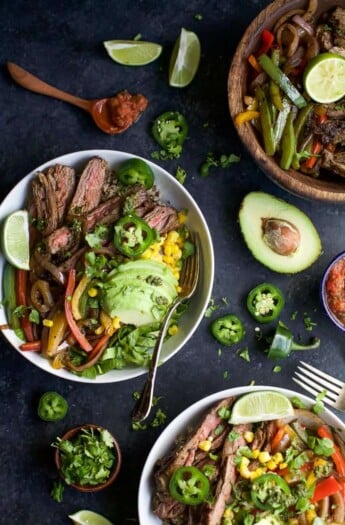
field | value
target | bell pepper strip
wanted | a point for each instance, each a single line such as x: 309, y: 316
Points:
x: 283, y: 343
x: 264, y: 487
x: 280, y: 122
x: 189, y: 485
x: 337, y: 456
x: 285, y: 84
x: 93, y: 356
x: 9, y: 296
x: 33, y: 346
x: 52, y: 406
x: 324, y: 488
x: 133, y: 235
x: 79, y: 336
x: 56, y: 334
x: 76, y: 297
x: 316, y: 149
x: 246, y: 116
x: 278, y: 436
x: 136, y: 171
x: 265, y: 302
x: 21, y: 296
x: 254, y: 63
x: 227, y: 330
x: 170, y: 131
x: 267, y: 39
x: 288, y: 144
x: 266, y: 122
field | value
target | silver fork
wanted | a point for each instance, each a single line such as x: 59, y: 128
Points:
x: 187, y: 282
x: 315, y: 381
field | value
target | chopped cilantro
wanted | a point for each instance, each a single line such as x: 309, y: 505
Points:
x: 308, y: 323
x: 138, y: 36
x: 244, y: 354
x: 219, y: 352
x: 319, y: 406
x: 297, y: 402
x: 180, y: 175
x: 224, y: 161
x: 277, y: 369
x: 198, y: 16
x: 233, y: 435
x: 96, y: 238
x: 225, y: 374
x: 219, y: 429
x: 225, y: 300
x: 57, y: 491
x: 159, y: 418
x: 224, y: 413
x: 137, y: 425
x: 212, y: 307
x: 293, y: 316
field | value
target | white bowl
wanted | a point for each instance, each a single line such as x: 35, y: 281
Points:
x: 171, y: 191
x: 184, y: 421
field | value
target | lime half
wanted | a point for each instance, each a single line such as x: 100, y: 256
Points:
x: 261, y: 406
x: 88, y: 517
x: 324, y: 78
x: 132, y: 52
x: 185, y: 59
x: 15, y: 239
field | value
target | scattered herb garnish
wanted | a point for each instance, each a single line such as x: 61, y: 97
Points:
x: 97, y: 237
x: 233, y: 435
x: 159, y: 418
x: 244, y: 354
x: 212, y: 307
x: 198, y: 16
x: 224, y: 161
x: 57, y: 491
x: 297, y: 402
x: 276, y: 369
x: 308, y: 323
x: 319, y: 406
x: 293, y: 316
x: 180, y: 175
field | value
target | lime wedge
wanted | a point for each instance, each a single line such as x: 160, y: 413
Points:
x: 261, y: 406
x: 88, y: 517
x: 324, y: 78
x: 132, y: 52
x: 185, y: 58
x: 15, y: 239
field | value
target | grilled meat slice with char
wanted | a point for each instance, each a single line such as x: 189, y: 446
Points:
x: 337, y: 22
x: 89, y: 188
x: 60, y: 240
x: 63, y: 180
x: 163, y: 218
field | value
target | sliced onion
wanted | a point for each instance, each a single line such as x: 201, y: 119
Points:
x: 310, y: 12
x: 303, y: 24
x: 291, y: 43
x: 286, y: 17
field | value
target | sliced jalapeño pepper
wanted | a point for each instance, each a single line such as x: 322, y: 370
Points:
x: 283, y: 343
x: 133, y: 235
x: 265, y: 302
x: 52, y: 406
x: 170, y: 130
x: 228, y: 329
x: 268, y: 490
x: 136, y: 171
x: 189, y: 486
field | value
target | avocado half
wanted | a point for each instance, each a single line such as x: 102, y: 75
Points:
x: 259, y: 209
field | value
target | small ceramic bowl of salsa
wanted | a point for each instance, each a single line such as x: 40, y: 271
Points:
x: 333, y: 291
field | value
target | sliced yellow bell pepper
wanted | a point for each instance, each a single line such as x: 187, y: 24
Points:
x: 76, y: 297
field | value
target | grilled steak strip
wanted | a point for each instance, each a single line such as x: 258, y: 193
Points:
x: 163, y: 218
x: 45, y: 203
x: 89, y: 189
x: 62, y: 180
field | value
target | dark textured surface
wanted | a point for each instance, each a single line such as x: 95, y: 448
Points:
x: 62, y: 44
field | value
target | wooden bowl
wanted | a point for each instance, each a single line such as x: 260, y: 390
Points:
x: 69, y: 435
x: 330, y: 190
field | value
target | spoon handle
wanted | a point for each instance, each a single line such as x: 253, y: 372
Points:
x: 143, y: 405
x: 32, y: 83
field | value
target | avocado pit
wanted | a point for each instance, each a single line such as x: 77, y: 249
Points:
x: 280, y: 235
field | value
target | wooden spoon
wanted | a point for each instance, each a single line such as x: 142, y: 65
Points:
x: 98, y: 108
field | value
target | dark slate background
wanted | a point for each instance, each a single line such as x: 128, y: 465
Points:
x: 61, y: 42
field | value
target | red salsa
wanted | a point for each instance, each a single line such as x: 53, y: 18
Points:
x: 335, y: 290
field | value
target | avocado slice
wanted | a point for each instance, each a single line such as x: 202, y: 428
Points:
x: 278, y: 234
x: 139, y: 292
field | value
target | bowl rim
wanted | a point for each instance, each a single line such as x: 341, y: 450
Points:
x: 323, y: 292
x: 291, y: 180
x: 168, y: 184
x: 191, y: 415
x: 70, y: 434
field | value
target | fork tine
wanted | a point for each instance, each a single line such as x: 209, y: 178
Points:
x: 323, y: 374
x: 314, y: 392
x: 318, y: 388
x: 190, y: 268
x: 320, y: 380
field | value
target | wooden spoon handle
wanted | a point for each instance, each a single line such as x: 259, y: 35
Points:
x: 32, y: 83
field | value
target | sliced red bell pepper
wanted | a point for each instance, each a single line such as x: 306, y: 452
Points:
x: 21, y: 296
x: 33, y: 346
x: 267, y: 39
x: 254, y: 63
x: 310, y: 163
x: 278, y: 436
x: 338, y: 459
x: 79, y: 336
x: 326, y: 487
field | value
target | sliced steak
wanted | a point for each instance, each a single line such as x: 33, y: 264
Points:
x: 213, y: 513
x: 45, y: 203
x: 107, y: 212
x: 89, y: 189
x: 333, y: 162
x: 162, y: 218
x: 337, y: 21
x: 61, y: 240
x: 62, y: 180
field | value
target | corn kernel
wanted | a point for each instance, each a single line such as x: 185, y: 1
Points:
x: 48, y: 323
x: 283, y: 465
x: 310, y: 479
x: 172, y: 236
x: 311, y: 515
x: 257, y: 473
x: 173, y: 329
x: 116, y: 323
x: 92, y: 292
x: 228, y: 513
x: 319, y: 462
x: 264, y: 457
x: 205, y: 445
x: 271, y: 465
x: 248, y: 436
x: 255, y: 453
x: 99, y: 330
x: 278, y: 457
x: 182, y: 217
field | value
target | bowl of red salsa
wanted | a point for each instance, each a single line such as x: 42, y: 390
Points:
x: 333, y: 290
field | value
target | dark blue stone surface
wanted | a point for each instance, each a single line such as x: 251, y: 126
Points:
x: 61, y: 42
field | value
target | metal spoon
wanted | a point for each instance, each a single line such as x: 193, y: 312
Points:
x: 98, y: 108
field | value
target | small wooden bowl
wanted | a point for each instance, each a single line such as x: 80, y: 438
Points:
x: 70, y: 434
x: 331, y: 190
